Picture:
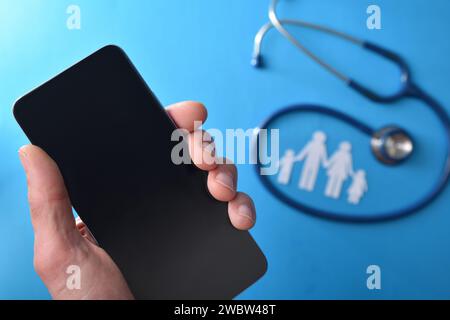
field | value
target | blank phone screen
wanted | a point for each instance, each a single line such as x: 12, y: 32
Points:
x: 111, y: 139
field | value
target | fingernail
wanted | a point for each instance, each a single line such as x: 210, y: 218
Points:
x: 22, y: 155
x: 225, y: 179
x: 246, y: 212
x: 22, y: 150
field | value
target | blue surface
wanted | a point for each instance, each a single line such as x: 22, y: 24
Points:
x: 201, y: 50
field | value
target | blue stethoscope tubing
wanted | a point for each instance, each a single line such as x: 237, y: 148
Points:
x: 407, y: 90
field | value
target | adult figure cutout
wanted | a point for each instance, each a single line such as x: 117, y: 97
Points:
x: 314, y: 154
x: 340, y: 167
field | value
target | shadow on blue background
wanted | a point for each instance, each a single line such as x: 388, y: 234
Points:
x: 201, y: 50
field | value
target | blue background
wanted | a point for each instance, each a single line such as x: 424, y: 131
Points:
x: 200, y: 50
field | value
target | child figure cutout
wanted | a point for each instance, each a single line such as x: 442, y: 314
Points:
x: 286, y: 165
x: 314, y: 154
x: 339, y: 167
x: 358, y: 187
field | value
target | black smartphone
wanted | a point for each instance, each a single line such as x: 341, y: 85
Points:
x: 111, y: 139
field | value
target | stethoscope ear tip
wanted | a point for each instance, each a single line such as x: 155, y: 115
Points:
x: 257, y: 61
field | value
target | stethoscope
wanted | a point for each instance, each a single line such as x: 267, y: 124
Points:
x: 391, y: 145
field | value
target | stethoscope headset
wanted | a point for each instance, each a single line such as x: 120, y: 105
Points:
x: 391, y: 145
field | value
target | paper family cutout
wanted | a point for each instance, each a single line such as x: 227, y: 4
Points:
x: 339, y: 168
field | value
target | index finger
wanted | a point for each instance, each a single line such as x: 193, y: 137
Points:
x: 186, y: 113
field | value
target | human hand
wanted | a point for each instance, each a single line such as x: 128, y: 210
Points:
x: 61, y: 241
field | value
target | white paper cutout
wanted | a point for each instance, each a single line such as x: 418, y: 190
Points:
x: 338, y: 169
x: 358, y: 187
x: 313, y: 154
x: 286, y: 165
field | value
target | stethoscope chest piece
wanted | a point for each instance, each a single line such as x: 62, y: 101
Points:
x: 392, y: 145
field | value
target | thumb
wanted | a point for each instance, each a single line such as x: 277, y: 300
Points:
x: 51, y: 211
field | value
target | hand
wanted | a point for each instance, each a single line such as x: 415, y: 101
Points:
x: 300, y: 157
x: 60, y: 241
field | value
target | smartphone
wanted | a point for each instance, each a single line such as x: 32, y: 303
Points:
x: 111, y: 139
